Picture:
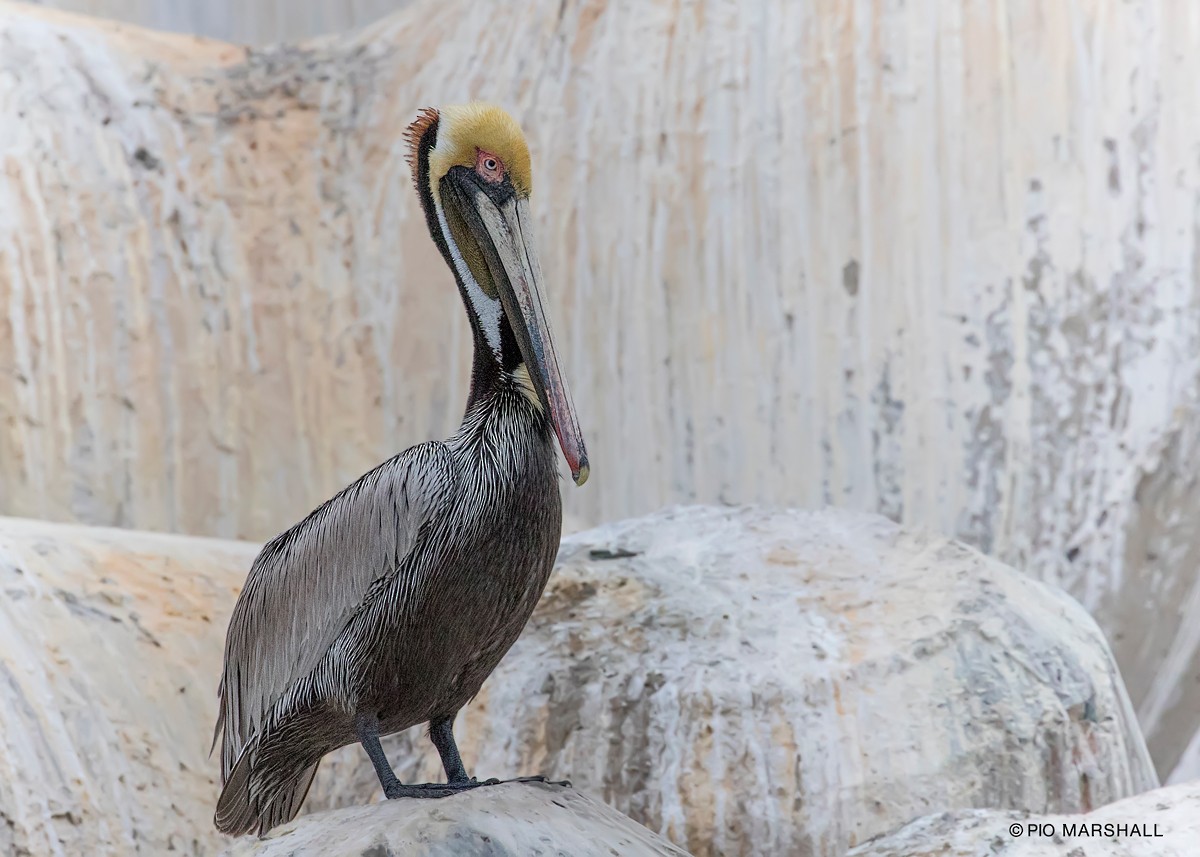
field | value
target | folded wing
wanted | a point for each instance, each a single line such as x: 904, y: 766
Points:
x: 307, y: 582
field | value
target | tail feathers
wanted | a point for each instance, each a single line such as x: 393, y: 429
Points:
x: 246, y: 803
x: 287, y: 803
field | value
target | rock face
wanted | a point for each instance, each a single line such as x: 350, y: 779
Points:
x: 257, y: 22
x: 1188, y: 768
x: 509, y: 820
x: 750, y: 681
x: 741, y: 681
x: 221, y: 304
x: 110, y: 646
x: 1168, y: 825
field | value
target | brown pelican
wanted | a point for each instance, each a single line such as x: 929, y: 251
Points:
x: 391, y: 603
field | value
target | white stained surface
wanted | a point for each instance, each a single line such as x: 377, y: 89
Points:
x: 935, y: 260
x: 252, y: 21
x: 110, y: 653
x: 508, y: 820
x: 1188, y: 768
x: 748, y: 681
x: 1160, y: 823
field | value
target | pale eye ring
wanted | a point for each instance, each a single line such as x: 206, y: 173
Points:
x: 490, y: 164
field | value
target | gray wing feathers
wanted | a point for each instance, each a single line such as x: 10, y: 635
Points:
x: 307, y: 582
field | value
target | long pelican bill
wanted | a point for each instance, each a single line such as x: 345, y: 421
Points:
x: 502, y: 227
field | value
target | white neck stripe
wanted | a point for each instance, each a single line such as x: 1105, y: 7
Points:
x: 486, y: 309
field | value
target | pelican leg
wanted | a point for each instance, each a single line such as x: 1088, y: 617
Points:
x: 441, y: 732
x: 367, y: 728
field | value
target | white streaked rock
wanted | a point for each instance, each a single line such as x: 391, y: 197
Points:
x: 934, y: 274
x: 110, y: 647
x: 753, y: 681
x: 1188, y: 768
x: 1159, y: 823
x: 508, y: 820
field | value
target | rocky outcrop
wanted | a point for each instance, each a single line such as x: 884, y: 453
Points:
x: 508, y: 820
x: 259, y: 23
x: 741, y: 681
x: 110, y: 645
x: 221, y: 304
x: 1188, y: 768
x: 752, y: 681
x: 1160, y: 823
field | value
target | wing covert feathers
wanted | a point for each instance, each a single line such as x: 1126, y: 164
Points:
x: 306, y: 584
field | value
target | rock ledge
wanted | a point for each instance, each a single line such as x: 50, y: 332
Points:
x: 755, y: 680
x: 509, y: 820
x: 1168, y: 822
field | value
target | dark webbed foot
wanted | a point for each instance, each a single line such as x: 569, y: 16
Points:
x: 434, y: 790
x: 443, y: 738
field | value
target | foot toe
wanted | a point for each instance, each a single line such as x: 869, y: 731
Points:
x: 542, y: 779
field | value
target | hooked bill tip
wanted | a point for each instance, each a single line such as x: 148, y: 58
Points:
x: 581, y: 474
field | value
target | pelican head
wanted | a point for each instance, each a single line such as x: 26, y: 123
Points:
x: 472, y: 171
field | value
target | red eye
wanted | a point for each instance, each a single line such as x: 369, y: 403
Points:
x: 489, y: 166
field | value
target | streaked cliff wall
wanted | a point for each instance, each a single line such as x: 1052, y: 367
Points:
x: 937, y: 260
x: 255, y: 22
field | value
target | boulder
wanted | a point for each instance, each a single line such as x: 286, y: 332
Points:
x: 224, y: 306
x: 761, y: 681
x: 509, y: 820
x: 1188, y: 768
x: 739, y: 680
x: 110, y: 649
x: 1160, y: 823
x: 237, y: 21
